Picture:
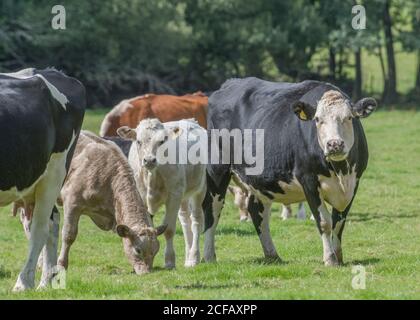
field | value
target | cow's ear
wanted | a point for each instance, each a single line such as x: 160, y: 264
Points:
x: 364, y: 107
x: 127, y: 133
x: 123, y: 231
x: 303, y: 110
x: 175, y: 133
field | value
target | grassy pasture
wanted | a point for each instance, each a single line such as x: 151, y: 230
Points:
x: 382, y: 234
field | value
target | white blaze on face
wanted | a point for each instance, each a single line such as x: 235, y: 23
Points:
x: 334, y: 122
x: 151, y: 134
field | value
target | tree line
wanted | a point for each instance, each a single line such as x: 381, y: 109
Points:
x: 121, y: 48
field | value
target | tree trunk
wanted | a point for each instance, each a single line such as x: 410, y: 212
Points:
x: 381, y: 60
x: 390, y: 94
x: 332, y: 63
x: 417, y: 88
x: 357, y: 90
x: 340, y: 63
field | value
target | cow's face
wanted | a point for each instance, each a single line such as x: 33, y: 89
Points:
x: 333, y: 117
x: 149, y: 136
x: 140, y: 246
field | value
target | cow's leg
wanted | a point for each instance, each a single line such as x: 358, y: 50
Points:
x: 68, y: 233
x: 338, y: 222
x: 197, y: 217
x: 301, y: 214
x: 240, y: 200
x: 286, y: 212
x: 260, y: 213
x: 173, y: 204
x: 49, y: 253
x: 26, y: 223
x: 330, y: 257
x: 184, y: 219
x: 46, y: 193
x: 323, y: 221
x: 212, y: 207
x: 322, y: 218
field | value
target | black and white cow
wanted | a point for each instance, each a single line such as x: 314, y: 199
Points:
x: 41, y: 113
x: 314, y: 150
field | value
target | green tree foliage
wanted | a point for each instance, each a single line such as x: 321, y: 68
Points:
x: 122, y: 48
x: 114, y: 47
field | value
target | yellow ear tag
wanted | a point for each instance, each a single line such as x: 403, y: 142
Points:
x: 302, y: 115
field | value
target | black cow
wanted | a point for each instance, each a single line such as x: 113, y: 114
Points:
x: 123, y: 144
x: 314, y: 149
x: 41, y: 113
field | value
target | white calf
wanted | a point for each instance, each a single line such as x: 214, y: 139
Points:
x: 180, y: 185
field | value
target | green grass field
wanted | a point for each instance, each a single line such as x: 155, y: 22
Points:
x: 382, y: 234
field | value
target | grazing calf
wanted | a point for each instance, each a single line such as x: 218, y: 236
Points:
x: 180, y: 186
x: 161, y: 106
x: 101, y: 185
x: 41, y: 113
x: 314, y: 147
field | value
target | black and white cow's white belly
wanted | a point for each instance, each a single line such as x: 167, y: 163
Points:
x: 337, y: 190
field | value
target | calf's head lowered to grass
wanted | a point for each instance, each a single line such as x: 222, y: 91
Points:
x: 140, y: 246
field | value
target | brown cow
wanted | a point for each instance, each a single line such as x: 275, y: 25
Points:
x: 163, y: 107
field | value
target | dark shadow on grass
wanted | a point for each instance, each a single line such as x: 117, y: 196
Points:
x: 236, y: 231
x: 160, y: 269
x: 222, y: 230
x: 4, y: 274
x: 206, y: 287
x: 267, y: 261
x: 363, y: 262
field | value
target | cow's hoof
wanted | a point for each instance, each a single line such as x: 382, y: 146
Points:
x: 170, y: 266
x: 301, y: 215
x: 21, y: 286
x: 275, y: 259
x: 286, y: 215
x: 243, y: 219
x: 331, y: 262
x: 43, y: 286
x: 191, y: 263
x: 209, y: 259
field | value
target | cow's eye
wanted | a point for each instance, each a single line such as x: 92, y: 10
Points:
x: 138, y: 252
x: 316, y: 119
x: 349, y: 118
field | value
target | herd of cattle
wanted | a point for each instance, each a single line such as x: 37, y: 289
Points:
x: 315, y: 150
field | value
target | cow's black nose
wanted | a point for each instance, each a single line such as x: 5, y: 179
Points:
x: 335, y: 146
x: 149, y: 161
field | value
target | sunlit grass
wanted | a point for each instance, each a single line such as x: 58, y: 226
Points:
x: 382, y: 234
